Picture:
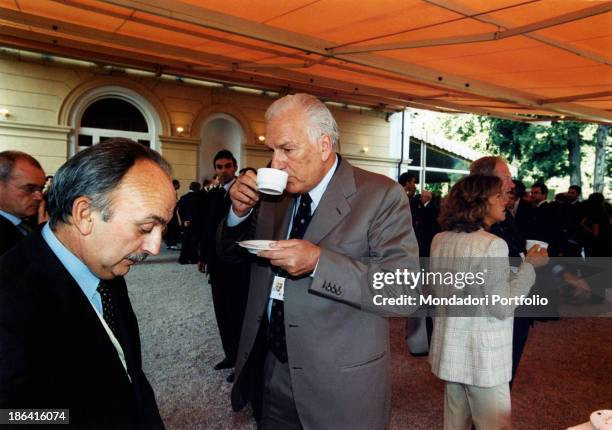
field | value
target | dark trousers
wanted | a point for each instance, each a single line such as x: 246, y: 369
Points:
x: 278, y: 409
x: 519, y: 339
x: 173, y: 232
x: 189, y: 250
x: 229, y: 294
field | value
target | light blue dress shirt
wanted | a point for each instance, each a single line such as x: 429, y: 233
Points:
x: 87, y: 281
x: 12, y: 218
x: 228, y: 185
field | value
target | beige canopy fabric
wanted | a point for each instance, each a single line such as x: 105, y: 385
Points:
x: 527, y: 60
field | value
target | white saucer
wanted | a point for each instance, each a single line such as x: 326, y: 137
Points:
x: 254, y: 246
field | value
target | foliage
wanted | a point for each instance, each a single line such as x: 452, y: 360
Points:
x: 472, y: 129
x: 540, y: 150
x: 438, y: 188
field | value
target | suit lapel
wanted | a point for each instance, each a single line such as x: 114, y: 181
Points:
x: 72, y: 301
x: 333, y: 206
x: 9, y: 235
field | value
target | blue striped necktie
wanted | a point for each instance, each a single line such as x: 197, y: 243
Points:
x: 277, y: 342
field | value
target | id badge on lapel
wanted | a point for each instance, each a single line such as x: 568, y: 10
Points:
x: 278, y: 288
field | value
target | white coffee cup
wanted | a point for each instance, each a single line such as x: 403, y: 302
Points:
x: 531, y: 242
x: 271, y: 181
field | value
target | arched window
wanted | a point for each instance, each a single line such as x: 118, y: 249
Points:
x: 112, y: 117
x: 220, y: 131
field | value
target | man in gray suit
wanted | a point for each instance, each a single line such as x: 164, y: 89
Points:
x: 314, y: 353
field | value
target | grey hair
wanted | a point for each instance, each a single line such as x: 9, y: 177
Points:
x: 485, y: 165
x: 320, y: 120
x: 8, y: 160
x: 95, y: 173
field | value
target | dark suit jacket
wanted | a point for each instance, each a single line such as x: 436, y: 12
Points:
x: 338, y: 351
x: 215, y: 207
x: 9, y: 235
x: 509, y: 230
x: 187, y: 205
x: 427, y: 226
x: 535, y: 222
x: 55, y: 353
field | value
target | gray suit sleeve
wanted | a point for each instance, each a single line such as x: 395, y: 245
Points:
x: 392, y: 246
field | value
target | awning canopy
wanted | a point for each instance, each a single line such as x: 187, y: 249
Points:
x: 518, y: 59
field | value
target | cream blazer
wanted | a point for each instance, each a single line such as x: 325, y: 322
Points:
x: 477, y: 350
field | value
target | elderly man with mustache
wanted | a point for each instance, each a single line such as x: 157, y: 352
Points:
x: 68, y: 335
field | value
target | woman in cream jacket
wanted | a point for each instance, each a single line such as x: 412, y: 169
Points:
x: 473, y: 354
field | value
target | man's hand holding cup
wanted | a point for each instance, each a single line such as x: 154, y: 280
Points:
x: 245, y: 192
x: 537, y: 253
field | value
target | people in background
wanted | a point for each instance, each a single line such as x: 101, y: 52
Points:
x: 573, y: 194
x: 426, y: 221
x: 573, y: 233
x: 539, y: 194
x: 229, y: 281
x: 408, y: 181
x: 22, y: 180
x: 173, y: 231
x: 596, y: 227
x: 186, y: 209
x: 538, y: 224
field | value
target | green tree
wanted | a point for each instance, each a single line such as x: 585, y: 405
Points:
x: 541, y: 151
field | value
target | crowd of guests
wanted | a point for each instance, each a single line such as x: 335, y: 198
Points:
x: 306, y: 351
x: 571, y: 226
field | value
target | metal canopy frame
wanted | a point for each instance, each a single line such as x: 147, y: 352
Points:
x: 252, y: 53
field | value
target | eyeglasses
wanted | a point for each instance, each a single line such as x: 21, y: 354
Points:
x: 30, y: 188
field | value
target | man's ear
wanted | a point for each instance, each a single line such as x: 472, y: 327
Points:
x: 327, y: 147
x: 82, y: 215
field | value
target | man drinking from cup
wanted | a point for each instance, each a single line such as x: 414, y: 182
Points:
x: 310, y: 355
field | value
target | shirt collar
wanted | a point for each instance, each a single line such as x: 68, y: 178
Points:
x: 77, y: 269
x: 228, y: 184
x: 514, y: 209
x: 316, y: 194
x: 12, y: 218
